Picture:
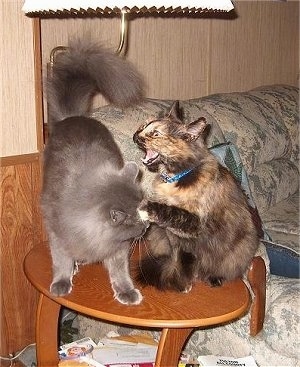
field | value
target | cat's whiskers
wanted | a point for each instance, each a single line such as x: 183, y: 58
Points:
x: 140, y: 259
x: 133, y: 246
x: 148, y: 251
x: 139, y: 242
x: 136, y: 242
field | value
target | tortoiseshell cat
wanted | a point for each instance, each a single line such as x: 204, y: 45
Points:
x: 202, y: 227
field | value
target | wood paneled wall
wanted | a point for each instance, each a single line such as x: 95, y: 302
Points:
x: 259, y: 47
x: 17, y: 102
x: 187, y: 58
x: 21, y: 228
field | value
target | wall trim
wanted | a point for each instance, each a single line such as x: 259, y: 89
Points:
x: 39, y: 108
x: 19, y: 159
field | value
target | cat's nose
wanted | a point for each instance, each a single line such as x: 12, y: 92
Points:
x: 135, y: 137
x: 138, y: 139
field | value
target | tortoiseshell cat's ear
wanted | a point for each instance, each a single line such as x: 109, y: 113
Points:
x: 149, y: 119
x: 197, y: 128
x: 175, y: 112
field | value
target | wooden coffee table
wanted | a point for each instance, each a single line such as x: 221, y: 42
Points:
x: 176, y: 314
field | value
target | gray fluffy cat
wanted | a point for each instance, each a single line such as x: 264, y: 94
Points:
x: 90, y: 196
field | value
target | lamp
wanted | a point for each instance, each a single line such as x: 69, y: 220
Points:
x: 54, y: 8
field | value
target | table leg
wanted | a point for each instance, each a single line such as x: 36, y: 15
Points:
x: 170, y: 346
x: 257, y: 280
x: 47, y: 332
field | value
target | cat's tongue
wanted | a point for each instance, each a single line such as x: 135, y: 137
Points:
x: 151, y: 155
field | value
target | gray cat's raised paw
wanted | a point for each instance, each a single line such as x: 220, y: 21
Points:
x: 61, y: 288
x: 132, y: 297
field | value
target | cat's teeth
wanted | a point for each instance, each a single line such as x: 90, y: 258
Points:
x: 150, y: 157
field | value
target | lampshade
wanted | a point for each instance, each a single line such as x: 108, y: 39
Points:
x: 53, y: 8
x: 73, y: 7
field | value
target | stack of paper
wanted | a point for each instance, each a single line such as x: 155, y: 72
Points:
x: 127, y: 351
x: 213, y: 361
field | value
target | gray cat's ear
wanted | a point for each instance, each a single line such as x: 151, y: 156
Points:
x: 117, y: 216
x: 131, y: 170
x: 196, y: 128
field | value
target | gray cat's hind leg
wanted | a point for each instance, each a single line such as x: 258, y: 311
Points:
x: 62, y: 270
x: 121, y: 282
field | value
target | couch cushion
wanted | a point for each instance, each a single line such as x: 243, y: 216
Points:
x: 282, y: 224
x: 272, y: 182
x: 263, y: 124
x: 282, y: 322
x: 284, y: 216
x: 285, y: 100
x: 291, y: 241
x: 249, y: 122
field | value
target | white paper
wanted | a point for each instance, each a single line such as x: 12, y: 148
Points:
x: 137, y: 353
x: 213, y: 361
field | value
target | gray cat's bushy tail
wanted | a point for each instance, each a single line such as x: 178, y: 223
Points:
x: 85, y: 69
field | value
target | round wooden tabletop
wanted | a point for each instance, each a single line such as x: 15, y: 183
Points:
x: 92, y: 295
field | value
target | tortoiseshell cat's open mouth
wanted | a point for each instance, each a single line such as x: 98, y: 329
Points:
x: 150, y: 157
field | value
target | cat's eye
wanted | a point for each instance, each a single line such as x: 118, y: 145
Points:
x: 156, y: 133
x: 117, y: 216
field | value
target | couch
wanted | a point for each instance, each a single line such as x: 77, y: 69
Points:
x: 264, y: 126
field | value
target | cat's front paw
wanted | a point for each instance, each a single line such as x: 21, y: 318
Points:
x: 132, y: 297
x: 143, y: 215
x: 61, y: 288
x: 148, y: 211
x: 143, y: 210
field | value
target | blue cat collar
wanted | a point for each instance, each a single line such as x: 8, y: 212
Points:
x: 167, y: 179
